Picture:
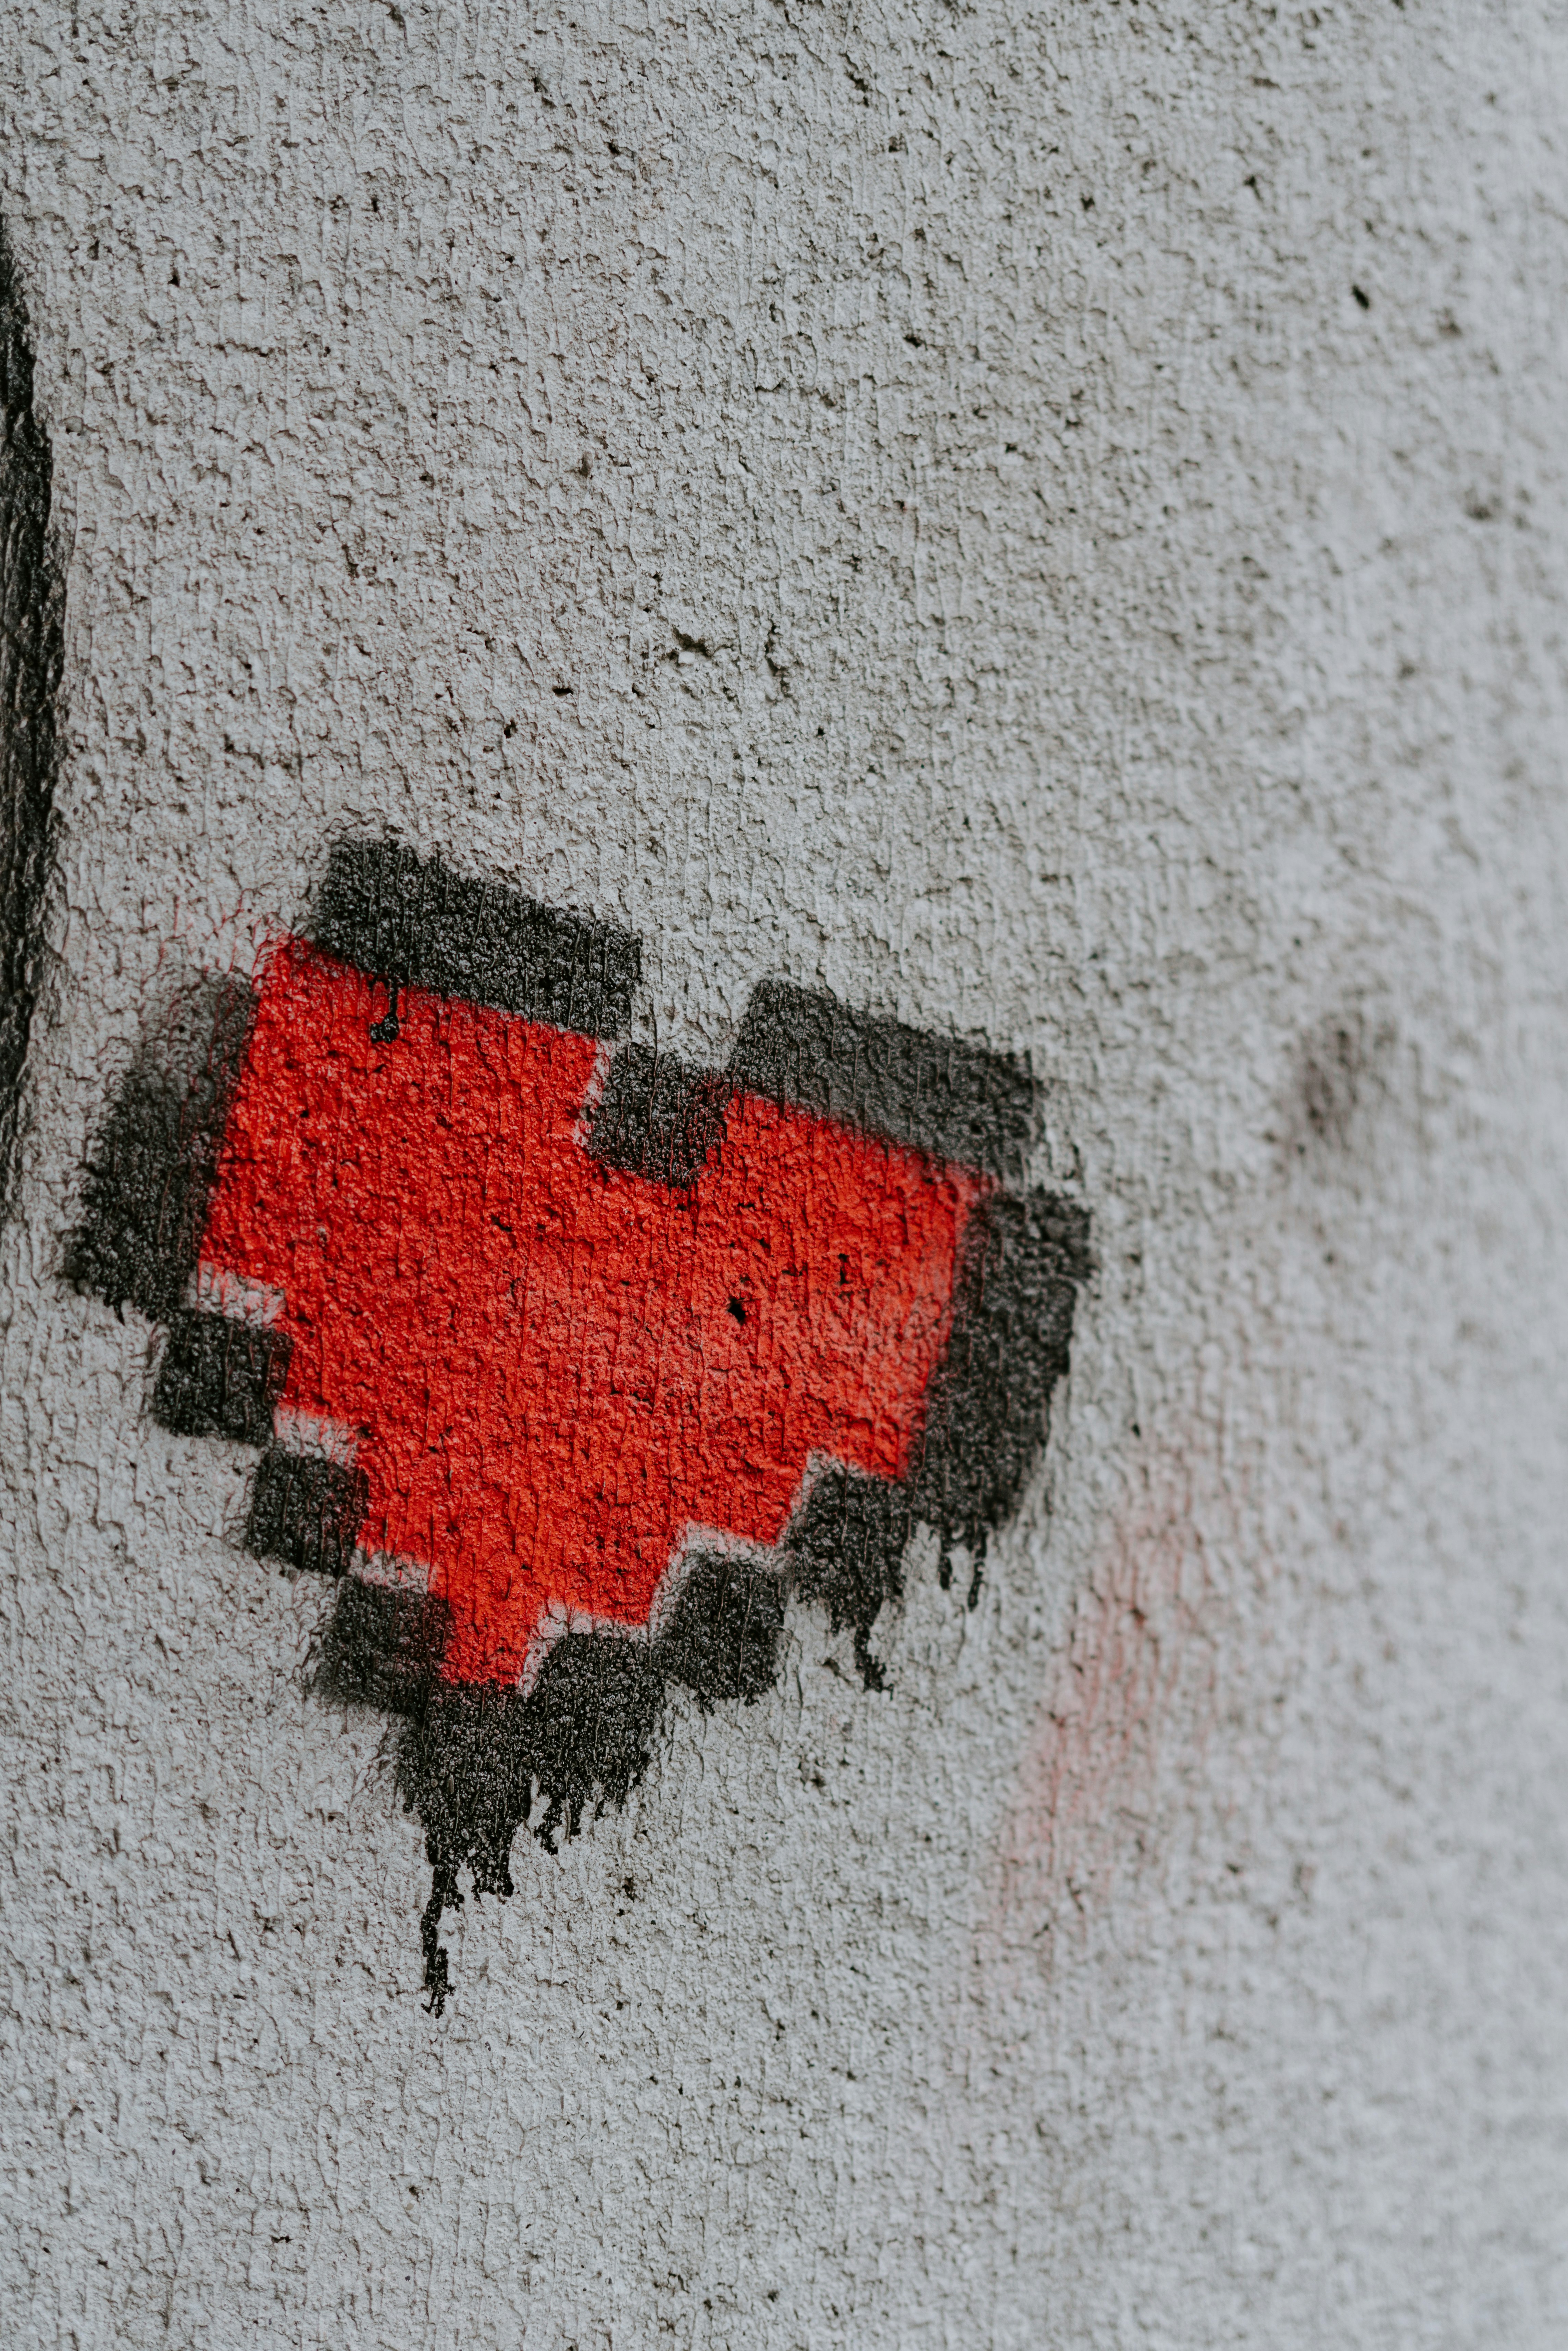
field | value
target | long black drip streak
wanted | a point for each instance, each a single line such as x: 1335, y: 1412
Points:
x: 32, y: 612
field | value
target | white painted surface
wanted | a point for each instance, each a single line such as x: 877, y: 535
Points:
x: 1114, y: 640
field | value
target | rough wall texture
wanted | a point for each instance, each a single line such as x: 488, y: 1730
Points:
x: 1048, y: 525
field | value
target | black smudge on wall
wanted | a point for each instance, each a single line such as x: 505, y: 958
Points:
x: 844, y: 1552
x: 149, y: 1178
x: 935, y: 1094
x: 32, y: 617
x: 306, y: 1510
x: 656, y: 1119
x: 1342, y: 1077
x: 987, y: 1409
x: 220, y: 1378
x: 722, y: 1640
x: 417, y: 923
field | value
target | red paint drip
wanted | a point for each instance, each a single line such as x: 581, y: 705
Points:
x: 557, y: 1367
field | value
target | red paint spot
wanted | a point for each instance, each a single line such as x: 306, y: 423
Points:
x: 542, y: 1354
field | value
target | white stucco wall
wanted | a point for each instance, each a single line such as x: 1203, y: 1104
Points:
x: 1115, y: 639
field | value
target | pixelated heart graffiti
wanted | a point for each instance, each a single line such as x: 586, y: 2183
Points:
x: 569, y: 1364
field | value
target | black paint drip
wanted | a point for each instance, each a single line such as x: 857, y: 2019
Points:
x: 387, y: 1030
x: 32, y: 616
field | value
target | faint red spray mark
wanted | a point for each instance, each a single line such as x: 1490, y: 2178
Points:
x: 1133, y: 1690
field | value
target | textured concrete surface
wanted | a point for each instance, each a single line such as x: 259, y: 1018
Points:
x: 1050, y: 523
